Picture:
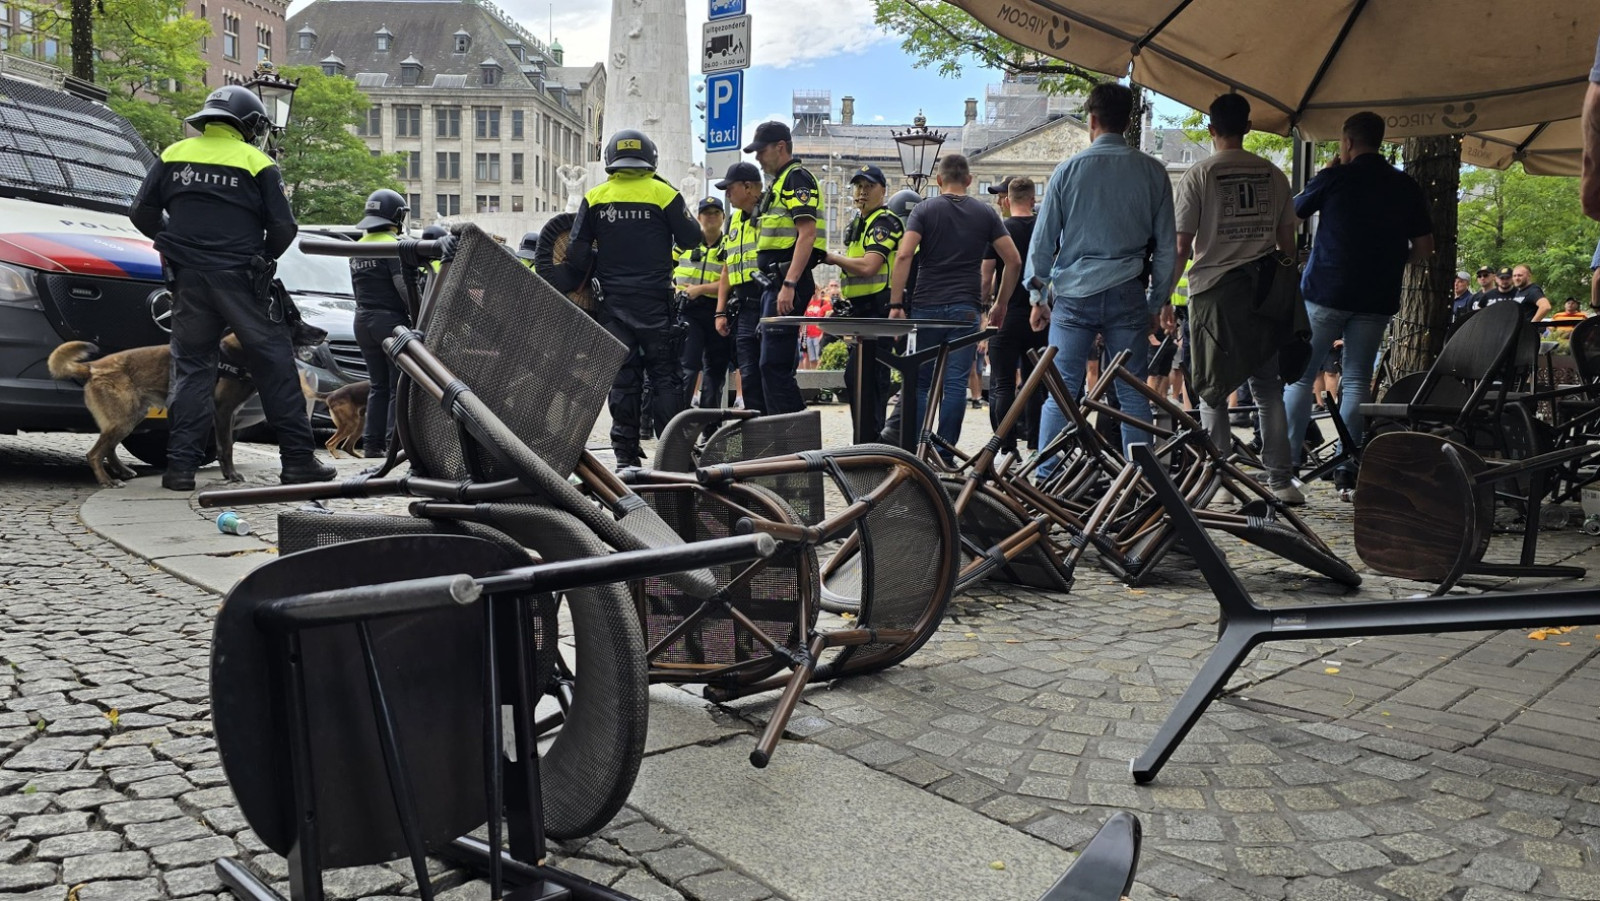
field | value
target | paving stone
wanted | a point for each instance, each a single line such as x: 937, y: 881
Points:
x: 121, y: 890
x: 725, y: 886
x: 112, y: 865
x: 1347, y: 857
x: 191, y: 881
x: 50, y: 824
x: 1505, y: 872
x: 1272, y: 862
x: 165, y: 832
x: 191, y: 853
x: 122, y: 813
x: 642, y: 837
x: 676, y: 864
x: 22, y: 877
x: 77, y: 844
x: 1416, y: 847
x: 1417, y: 884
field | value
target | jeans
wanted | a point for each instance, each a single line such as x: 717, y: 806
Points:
x: 373, y: 325
x: 1120, y: 314
x: 1362, y: 332
x: 953, y: 402
x: 204, y: 303
x: 1266, y: 385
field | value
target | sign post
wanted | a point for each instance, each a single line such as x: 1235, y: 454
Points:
x: 725, y: 54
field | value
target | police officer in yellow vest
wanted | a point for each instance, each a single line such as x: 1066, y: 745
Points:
x: 528, y: 248
x: 792, y: 240
x: 871, y: 241
x: 633, y: 220
x: 216, y: 208
x: 383, y: 302
x: 738, y: 292
x: 1180, y: 308
x: 696, y: 280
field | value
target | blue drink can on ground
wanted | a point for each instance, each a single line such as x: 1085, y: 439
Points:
x: 231, y: 523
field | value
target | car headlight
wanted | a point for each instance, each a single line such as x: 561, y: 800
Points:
x: 307, y: 354
x: 17, y: 288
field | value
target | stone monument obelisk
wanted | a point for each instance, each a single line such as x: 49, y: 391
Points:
x: 647, y: 83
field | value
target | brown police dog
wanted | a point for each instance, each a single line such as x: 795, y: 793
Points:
x: 119, y: 390
x: 347, y: 407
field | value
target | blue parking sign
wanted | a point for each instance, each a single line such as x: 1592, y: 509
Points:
x: 724, y: 110
x: 722, y: 9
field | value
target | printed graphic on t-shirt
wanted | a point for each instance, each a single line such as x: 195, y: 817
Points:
x: 1246, y: 207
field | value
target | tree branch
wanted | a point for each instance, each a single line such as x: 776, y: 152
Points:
x: 1000, y: 62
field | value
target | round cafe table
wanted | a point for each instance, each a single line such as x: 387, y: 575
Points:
x: 865, y: 330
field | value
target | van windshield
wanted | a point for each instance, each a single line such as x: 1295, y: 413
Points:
x: 303, y: 273
x: 62, y: 149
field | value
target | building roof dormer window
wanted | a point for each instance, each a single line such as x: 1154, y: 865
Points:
x: 489, y: 72
x: 332, y: 65
x: 517, y: 50
x: 411, y: 71
x: 384, y: 38
x: 306, y: 38
x: 463, y: 40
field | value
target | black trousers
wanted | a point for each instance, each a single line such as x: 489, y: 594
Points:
x: 704, y: 352
x: 880, y: 384
x: 373, y: 325
x: 747, y: 345
x: 643, y: 323
x: 1008, y: 351
x: 204, y: 304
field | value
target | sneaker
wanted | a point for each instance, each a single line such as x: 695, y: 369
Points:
x: 307, y: 471
x: 178, y: 480
x: 1290, y: 495
x: 376, y: 453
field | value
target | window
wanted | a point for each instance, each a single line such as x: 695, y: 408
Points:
x: 447, y: 166
x: 205, y: 39
x: 263, y: 43
x: 408, y: 121
x: 488, y: 203
x: 230, y: 36
x: 307, y: 39
x: 489, y: 75
x: 463, y: 41
x: 51, y: 49
x: 516, y: 125
x: 448, y: 204
x: 516, y: 167
x: 412, y: 167
x: 372, y: 124
x: 415, y: 202
x: 1188, y: 155
x: 447, y: 122
x: 410, y: 74
x: 384, y: 38
x: 488, y: 167
x: 488, y: 121
x: 516, y: 203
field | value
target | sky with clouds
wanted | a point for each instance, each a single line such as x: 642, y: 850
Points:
x: 828, y: 45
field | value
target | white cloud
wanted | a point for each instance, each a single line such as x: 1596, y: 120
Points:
x: 877, y: 118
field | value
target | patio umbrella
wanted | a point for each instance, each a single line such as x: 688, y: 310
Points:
x: 1549, y: 148
x: 1427, y: 66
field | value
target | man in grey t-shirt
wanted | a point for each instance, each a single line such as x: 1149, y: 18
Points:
x: 1233, y: 208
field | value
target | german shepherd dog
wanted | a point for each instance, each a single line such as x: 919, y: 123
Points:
x: 347, y: 407
x: 119, y: 389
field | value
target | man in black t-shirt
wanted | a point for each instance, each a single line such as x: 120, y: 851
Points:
x: 1008, y: 349
x: 954, y: 231
x: 1530, y: 296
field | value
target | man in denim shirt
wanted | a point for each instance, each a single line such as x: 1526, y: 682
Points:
x: 1107, y: 211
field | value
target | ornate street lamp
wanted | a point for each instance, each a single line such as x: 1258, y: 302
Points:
x: 277, y: 95
x: 919, y: 150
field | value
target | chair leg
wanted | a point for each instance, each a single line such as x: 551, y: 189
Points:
x: 1234, y: 645
x: 762, y: 755
x: 242, y: 883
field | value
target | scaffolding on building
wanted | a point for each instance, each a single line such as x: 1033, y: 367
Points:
x: 813, y: 111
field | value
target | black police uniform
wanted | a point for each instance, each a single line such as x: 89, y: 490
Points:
x: 216, y: 208
x: 634, y: 219
x: 382, y: 304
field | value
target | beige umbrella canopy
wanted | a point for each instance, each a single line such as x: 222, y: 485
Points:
x: 1427, y: 66
x: 1549, y: 148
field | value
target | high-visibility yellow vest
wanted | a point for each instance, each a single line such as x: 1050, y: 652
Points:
x: 738, y: 250
x: 1180, y: 291
x: 697, y: 266
x: 778, y: 229
x: 867, y: 285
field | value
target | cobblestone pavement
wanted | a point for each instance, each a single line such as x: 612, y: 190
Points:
x: 1459, y: 767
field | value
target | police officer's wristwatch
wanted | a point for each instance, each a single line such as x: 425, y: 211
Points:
x: 790, y: 285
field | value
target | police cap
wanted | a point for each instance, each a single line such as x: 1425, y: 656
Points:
x: 869, y: 173
x: 1001, y: 186
x: 711, y: 203
x: 769, y: 133
x: 740, y: 172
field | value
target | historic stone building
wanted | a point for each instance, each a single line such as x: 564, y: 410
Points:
x: 243, y: 33
x: 484, y: 113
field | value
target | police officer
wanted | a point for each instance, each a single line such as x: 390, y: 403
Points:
x: 697, y: 280
x: 739, y: 293
x: 216, y: 208
x: 791, y: 242
x: 870, y: 242
x: 529, y: 247
x: 430, y: 270
x: 383, y: 301
x: 633, y: 219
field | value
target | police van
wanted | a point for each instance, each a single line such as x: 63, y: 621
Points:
x: 72, y: 267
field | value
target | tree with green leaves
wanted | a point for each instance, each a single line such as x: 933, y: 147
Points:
x: 1511, y: 218
x: 328, y: 170
x: 148, y: 59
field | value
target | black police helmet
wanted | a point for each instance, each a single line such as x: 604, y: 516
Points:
x: 234, y: 105
x: 384, y: 208
x: 902, y: 202
x: 434, y: 232
x: 529, y: 246
x: 630, y: 149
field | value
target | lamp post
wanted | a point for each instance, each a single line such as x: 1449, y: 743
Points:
x: 277, y: 95
x: 919, y: 150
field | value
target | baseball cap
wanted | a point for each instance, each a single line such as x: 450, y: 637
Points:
x: 740, y: 172
x: 1462, y: 274
x: 1505, y: 272
x: 870, y: 173
x: 1001, y: 186
x: 711, y: 203
x: 769, y: 133
x: 1486, y: 270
